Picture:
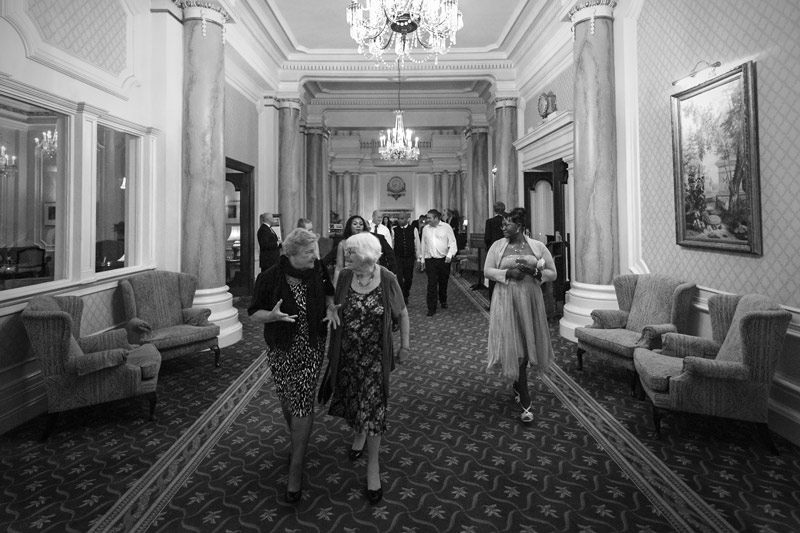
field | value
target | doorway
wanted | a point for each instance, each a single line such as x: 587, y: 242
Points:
x: 240, y: 217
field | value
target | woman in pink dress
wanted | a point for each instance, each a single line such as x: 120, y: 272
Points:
x: 518, y: 331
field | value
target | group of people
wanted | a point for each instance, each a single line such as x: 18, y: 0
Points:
x: 354, y: 316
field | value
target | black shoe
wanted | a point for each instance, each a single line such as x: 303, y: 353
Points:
x: 395, y: 327
x: 374, y: 496
x: 431, y: 312
x: 354, y: 454
x: 293, y: 497
x: 444, y: 305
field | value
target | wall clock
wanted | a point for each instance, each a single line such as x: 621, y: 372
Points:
x: 546, y: 104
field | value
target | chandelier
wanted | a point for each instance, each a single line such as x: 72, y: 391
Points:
x: 48, y: 144
x: 8, y: 164
x: 397, y: 146
x: 404, y: 25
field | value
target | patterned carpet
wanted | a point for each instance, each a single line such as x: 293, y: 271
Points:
x: 456, y: 458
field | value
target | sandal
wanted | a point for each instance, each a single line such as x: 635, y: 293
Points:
x: 526, y: 415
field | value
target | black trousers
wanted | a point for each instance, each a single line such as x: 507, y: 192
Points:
x: 438, y: 275
x: 405, y: 274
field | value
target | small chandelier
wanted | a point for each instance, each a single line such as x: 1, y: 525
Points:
x: 8, y: 164
x: 397, y: 146
x: 48, y: 143
x: 404, y: 25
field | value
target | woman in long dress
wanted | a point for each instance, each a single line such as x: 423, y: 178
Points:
x: 518, y: 331
x: 361, y: 351
x: 290, y: 299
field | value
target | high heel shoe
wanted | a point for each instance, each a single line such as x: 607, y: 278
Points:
x: 354, y: 454
x: 526, y: 415
x: 374, y: 496
x: 293, y: 497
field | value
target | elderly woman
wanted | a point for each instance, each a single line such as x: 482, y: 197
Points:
x: 290, y: 299
x: 518, y: 331
x: 362, y: 352
x: 355, y: 225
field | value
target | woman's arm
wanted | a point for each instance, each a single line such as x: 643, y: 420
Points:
x: 264, y: 316
x: 405, y: 346
x: 490, y: 266
x: 339, y: 262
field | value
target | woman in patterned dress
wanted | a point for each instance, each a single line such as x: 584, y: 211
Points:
x: 362, y: 353
x: 518, y: 331
x: 290, y: 299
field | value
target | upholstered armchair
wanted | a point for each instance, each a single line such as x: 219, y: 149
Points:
x: 158, y: 307
x: 81, y: 371
x: 649, y: 306
x: 728, y: 375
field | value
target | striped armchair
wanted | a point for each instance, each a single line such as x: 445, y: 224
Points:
x: 729, y: 375
x: 649, y: 306
x: 81, y: 371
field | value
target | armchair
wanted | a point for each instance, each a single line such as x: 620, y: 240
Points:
x: 649, y: 306
x: 158, y: 308
x: 728, y: 375
x: 81, y: 371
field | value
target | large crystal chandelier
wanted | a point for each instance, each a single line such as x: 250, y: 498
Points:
x: 48, y: 144
x: 8, y: 164
x: 397, y: 145
x: 404, y: 25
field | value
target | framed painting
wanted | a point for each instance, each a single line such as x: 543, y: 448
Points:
x: 49, y: 213
x: 715, y: 163
x: 232, y: 213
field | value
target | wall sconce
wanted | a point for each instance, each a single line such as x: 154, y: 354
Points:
x: 696, y: 70
x: 48, y: 144
x: 8, y: 164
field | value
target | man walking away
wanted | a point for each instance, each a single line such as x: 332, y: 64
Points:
x: 437, y: 250
x: 406, y: 252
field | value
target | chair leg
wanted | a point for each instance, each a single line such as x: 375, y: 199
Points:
x: 634, y: 376
x: 657, y: 414
x: 52, y: 418
x: 763, y: 432
x: 216, y: 355
x: 579, y: 354
x: 153, y: 399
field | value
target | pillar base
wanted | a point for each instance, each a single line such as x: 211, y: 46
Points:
x: 581, y: 300
x: 223, y: 313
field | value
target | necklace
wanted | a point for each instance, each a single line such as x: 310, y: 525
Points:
x: 371, y: 277
x: 517, y: 247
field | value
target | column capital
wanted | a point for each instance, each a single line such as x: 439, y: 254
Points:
x: 505, y: 101
x: 289, y: 103
x: 205, y: 10
x: 472, y: 130
x: 591, y: 9
x: 318, y: 130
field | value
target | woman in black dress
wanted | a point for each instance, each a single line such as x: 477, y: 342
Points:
x: 361, y: 352
x: 290, y: 299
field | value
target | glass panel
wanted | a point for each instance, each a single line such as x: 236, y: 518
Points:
x: 115, y: 167
x: 32, y: 149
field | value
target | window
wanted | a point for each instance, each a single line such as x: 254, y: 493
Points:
x: 32, y: 148
x: 115, y: 170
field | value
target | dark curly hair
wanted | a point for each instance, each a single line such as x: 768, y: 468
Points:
x: 347, y: 232
x: 517, y: 216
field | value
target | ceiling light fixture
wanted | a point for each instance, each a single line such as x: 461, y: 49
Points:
x: 404, y: 25
x: 397, y: 146
x: 48, y: 144
x: 8, y: 164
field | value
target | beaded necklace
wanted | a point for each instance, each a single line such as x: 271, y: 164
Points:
x: 371, y: 277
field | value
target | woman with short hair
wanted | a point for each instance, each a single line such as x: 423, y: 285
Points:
x: 290, y: 299
x: 362, y: 350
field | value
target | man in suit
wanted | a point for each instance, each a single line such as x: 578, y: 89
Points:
x: 492, y: 233
x: 269, y: 244
x: 406, y: 251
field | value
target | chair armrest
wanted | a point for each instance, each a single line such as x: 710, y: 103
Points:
x: 139, y: 331
x: 680, y: 345
x: 609, y: 319
x: 196, y: 316
x: 92, y: 362
x: 651, y: 335
x: 710, y: 368
x: 108, y: 340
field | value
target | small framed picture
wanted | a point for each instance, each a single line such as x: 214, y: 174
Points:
x: 49, y: 213
x: 232, y: 213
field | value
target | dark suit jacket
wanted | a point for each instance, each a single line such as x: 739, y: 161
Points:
x: 269, y: 249
x: 387, y: 259
x: 493, y: 231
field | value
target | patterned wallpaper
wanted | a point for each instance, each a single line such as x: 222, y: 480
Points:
x: 562, y: 86
x: 241, y: 127
x: 673, y: 37
x: 93, y: 30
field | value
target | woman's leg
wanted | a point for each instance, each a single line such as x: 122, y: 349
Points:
x: 301, y: 432
x: 373, y: 467
x: 521, y: 386
x: 287, y: 414
x: 358, y: 440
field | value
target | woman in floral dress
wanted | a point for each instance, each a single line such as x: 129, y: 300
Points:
x: 290, y: 299
x: 518, y: 331
x: 362, y: 353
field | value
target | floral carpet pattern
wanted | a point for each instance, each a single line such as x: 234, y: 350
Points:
x: 455, y: 458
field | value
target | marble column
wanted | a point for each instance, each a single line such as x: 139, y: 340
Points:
x: 596, y: 237
x: 438, y: 200
x: 316, y: 171
x: 203, y: 160
x: 479, y: 181
x: 355, y: 190
x: 290, y: 179
x: 507, y: 179
x: 340, y: 189
x: 333, y: 180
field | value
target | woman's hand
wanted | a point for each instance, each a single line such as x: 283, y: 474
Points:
x: 402, y: 355
x: 332, y: 316
x: 515, y: 273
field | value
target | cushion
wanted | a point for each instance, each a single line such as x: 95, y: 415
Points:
x: 655, y: 369
x: 652, y: 302
x: 620, y: 342
x: 147, y: 358
x: 181, y: 335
